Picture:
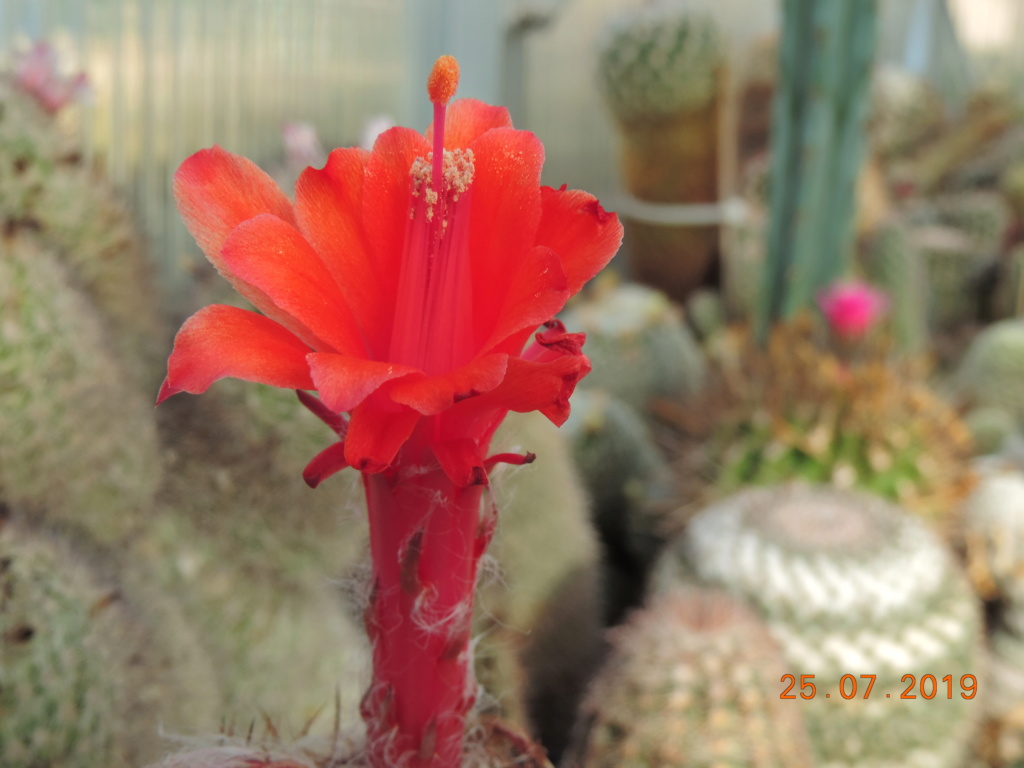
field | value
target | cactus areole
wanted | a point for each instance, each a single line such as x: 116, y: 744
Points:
x: 413, y: 288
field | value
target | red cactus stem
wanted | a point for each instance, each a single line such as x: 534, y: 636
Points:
x: 426, y: 538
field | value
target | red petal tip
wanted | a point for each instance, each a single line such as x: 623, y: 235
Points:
x: 329, y: 461
x: 166, y: 391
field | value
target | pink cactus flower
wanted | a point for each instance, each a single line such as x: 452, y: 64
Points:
x: 852, y: 308
x: 37, y: 73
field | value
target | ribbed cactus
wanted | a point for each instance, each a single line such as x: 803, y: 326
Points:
x: 820, y: 108
x: 638, y: 345
x: 799, y: 410
x: 56, y: 692
x: 992, y: 369
x: 661, y: 66
x: 848, y: 584
x: 890, y: 261
x: 78, y: 439
x: 693, y: 680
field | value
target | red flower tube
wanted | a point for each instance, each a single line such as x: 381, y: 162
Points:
x: 403, y: 286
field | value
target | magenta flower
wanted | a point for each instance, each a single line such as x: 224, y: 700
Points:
x: 852, y: 308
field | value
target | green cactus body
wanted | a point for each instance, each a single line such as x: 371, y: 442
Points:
x: 93, y: 659
x: 1009, y: 294
x: 45, y: 188
x: 990, y: 427
x: 992, y: 369
x: 848, y: 584
x: 252, y: 552
x: 891, y: 262
x: 705, y: 310
x: 56, y: 696
x: 638, y: 345
x: 540, y: 621
x: 659, y: 60
x: 617, y: 459
x: 693, y: 680
x: 77, y: 437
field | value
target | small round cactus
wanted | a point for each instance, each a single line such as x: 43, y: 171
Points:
x: 659, y: 60
x: 693, y: 680
x: 848, y: 584
x: 638, y: 345
x: 905, y: 110
x: 994, y: 532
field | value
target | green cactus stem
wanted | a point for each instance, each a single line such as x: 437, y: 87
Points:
x: 820, y: 109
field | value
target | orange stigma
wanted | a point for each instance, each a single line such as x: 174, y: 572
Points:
x: 443, y: 80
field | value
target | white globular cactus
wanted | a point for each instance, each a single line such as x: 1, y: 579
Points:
x: 849, y: 585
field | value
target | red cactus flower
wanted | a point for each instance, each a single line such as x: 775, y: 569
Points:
x: 404, y: 285
x: 852, y: 308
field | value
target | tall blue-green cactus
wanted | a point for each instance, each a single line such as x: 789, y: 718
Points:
x: 820, y: 109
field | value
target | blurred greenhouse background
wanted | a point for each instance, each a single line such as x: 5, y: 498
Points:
x: 168, y: 77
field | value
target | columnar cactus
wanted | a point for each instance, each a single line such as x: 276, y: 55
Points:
x: 820, y: 109
x: 78, y: 438
x: 47, y: 189
x: 693, y: 680
x: 638, y: 346
x: 848, y: 584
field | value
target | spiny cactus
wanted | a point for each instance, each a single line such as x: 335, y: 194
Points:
x: 992, y: 369
x: 56, y: 706
x: 659, y: 60
x: 798, y: 410
x: 891, y: 262
x: 78, y: 439
x: 848, y: 584
x: 693, y: 680
x: 955, y: 267
x: 94, y: 660
x: 540, y: 620
x: 638, y: 345
x: 46, y: 188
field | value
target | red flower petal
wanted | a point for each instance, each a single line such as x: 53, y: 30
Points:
x: 329, y: 461
x: 504, y: 217
x: 536, y: 292
x: 580, y: 231
x: 386, y: 195
x: 298, y: 289
x: 432, y: 394
x: 329, y: 209
x: 375, y: 435
x: 462, y: 461
x: 538, y: 386
x: 219, y: 341
x: 216, y: 191
x: 468, y: 119
x: 344, y: 382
